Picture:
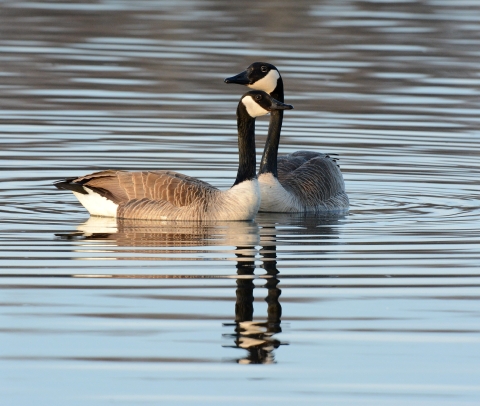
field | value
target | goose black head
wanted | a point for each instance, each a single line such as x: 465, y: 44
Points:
x: 259, y: 76
x: 258, y: 103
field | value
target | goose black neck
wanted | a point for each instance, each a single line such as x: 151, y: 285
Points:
x: 268, y: 164
x: 246, y: 146
x: 277, y: 93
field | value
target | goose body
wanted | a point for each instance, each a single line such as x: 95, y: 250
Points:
x: 164, y: 195
x: 305, y: 181
x: 168, y: 195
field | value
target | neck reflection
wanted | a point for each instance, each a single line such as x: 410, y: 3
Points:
x: 256, y: 337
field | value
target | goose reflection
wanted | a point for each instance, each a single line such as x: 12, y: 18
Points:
x: 257, y: 337
x: 164, y: 234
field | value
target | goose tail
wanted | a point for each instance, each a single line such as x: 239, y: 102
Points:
x: 95, y: 200
x: 69, y: 184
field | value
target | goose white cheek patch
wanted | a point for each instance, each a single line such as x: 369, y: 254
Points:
x: 253, y: 108
x: 268, y: 83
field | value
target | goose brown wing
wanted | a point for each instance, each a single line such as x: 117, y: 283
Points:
x: 311, y: 176
x: 173, y: 187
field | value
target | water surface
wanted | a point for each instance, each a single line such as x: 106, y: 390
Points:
x: 377, y: 307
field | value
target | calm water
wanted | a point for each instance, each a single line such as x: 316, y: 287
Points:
x: 380, y: 307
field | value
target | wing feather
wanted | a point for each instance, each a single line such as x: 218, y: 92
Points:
x: 312, y: 177
x: 121, y: 187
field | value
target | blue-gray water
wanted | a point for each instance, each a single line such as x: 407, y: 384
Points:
x: 380, y: 307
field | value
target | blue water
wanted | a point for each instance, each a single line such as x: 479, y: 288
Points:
x: 378, y: 307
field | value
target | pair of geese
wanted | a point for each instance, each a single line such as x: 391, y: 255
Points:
x: 304, y: 181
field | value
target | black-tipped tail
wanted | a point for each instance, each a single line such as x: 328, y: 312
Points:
x: 68, y: 184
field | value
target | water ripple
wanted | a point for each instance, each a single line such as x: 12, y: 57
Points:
x: 381, y: 306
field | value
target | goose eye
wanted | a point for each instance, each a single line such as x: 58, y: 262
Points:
x: 258, y: 97
x: 264, y: 68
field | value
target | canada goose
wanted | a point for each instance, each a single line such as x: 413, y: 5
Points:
x: 305, y: 181
x: 166, y: 195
